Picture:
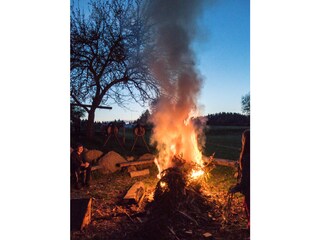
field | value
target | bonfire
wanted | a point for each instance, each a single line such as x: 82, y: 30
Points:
x: 180, y: 200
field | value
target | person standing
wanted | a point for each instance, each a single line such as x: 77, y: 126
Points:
x: 80, y: 169
x: 243, y: 185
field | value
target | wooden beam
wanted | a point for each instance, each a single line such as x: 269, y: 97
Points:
x: 86, y: 105
x: 126, y: 164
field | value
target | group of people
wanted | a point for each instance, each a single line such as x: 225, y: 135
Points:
x: 81, y: 171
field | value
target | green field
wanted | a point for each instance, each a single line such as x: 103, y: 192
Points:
x: 225, y: 141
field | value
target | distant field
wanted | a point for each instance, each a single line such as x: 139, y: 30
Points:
x: 225, y: 141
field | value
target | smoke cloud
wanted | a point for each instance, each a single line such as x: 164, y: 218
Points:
x: 174, y: 67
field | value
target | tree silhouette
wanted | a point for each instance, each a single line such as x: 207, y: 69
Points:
x: 108, y: 63
x: 144, y: 118
x: 245, y: 104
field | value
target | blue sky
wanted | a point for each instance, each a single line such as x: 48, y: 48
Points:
x: 224, y: 55
x: 222, y: 50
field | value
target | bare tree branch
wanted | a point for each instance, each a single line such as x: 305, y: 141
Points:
x: 108, y: 54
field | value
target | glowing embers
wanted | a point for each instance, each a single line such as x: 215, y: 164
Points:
x: 196, y: 173
x: 191, y: 170
x: 163, y: 184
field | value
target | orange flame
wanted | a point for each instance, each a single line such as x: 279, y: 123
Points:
x: 176, y: 136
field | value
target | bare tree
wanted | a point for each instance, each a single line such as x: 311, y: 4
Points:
x: 245, y: 104
x: 108, y: 62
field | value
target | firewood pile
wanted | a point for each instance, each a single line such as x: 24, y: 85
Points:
x: 179, y: 210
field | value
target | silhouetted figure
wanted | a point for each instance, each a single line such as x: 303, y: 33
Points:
x: 243, y: 185
x: 80, y: 169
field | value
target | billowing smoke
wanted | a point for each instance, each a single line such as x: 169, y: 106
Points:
x: 174, y: 67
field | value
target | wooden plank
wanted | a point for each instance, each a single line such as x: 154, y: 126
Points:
x: 136, y: 192
x: 126, y: 164
x: 80, y: 213
x: 139, y: 173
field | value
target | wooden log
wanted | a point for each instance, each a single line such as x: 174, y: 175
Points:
x: 80, y: 213
x: 135, y: 193
x: 225, y: 162
x: 139, y: 173
x: 126, y: 164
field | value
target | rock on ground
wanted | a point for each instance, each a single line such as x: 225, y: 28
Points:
x: 92, y: 155
x: 110, y: 160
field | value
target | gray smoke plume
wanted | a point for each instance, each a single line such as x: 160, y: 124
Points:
x: 174, y: 67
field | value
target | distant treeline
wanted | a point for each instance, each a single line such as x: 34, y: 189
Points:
x: 217, y: 119
x: 228, y: 119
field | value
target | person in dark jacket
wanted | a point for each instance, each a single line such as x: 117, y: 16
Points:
x: 80, y: 169
x: 243, y: 185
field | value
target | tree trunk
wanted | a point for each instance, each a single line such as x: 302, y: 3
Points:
x: 90, y: 124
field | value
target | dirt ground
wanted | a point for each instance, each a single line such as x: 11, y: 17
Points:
x: 112, y: 218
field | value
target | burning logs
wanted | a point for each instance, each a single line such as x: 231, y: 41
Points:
x: 170, y: 190
x: 177, y: 203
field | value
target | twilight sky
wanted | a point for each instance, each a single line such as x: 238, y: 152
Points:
x: 222, y: 51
